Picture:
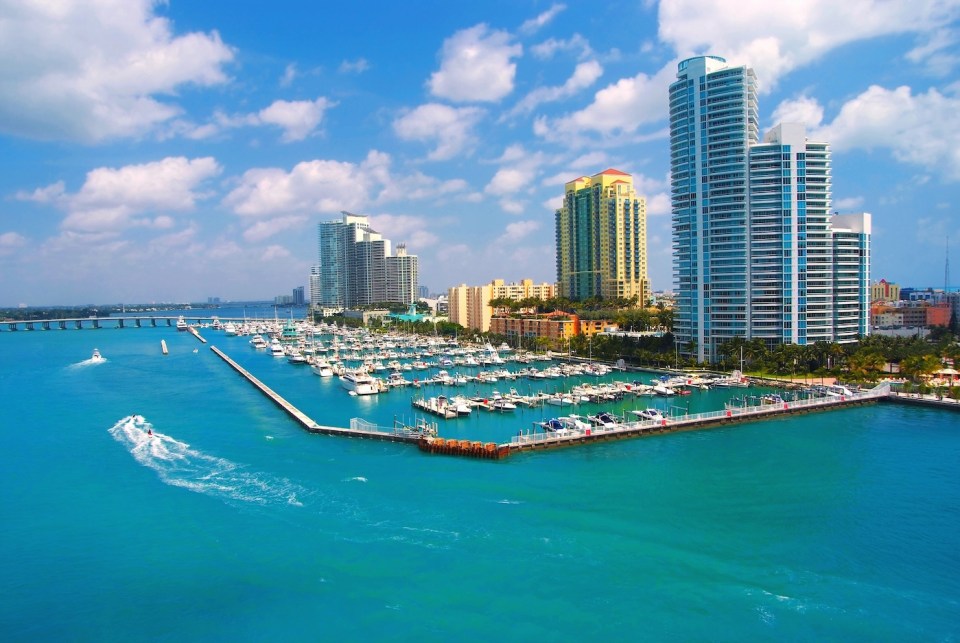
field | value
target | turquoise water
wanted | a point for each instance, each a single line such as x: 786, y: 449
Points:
x: 233, y: 523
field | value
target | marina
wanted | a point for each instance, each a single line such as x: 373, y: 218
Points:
x: 282, y: 508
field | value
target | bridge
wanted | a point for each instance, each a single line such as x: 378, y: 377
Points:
x: 126, y: 321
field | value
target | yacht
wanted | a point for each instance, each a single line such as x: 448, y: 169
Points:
x: 649, y: 414
x: 97, y: 357
x: 257, y: 341
x: 276, y: 349
x: 229, y: 329
x: 181, y: 323
x: 359, y: 383
x: 323, y: 368
x: 604, y: 420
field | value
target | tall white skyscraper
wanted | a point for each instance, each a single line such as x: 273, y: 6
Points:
x: 756, y: 251
x: 357, y: 266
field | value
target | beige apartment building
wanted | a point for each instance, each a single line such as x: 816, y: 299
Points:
x: 470, y: 307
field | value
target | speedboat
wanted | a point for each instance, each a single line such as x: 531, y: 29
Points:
x: 604, y: 420
x: 97, y: 357
x: 649, y: 414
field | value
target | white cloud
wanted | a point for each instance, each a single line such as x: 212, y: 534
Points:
x: 911, y: 125
x: 273, y: 253
x: 518, y: 230
x: 619, y: 108
x: 266, y: 228
x: 534, y: 24
x: 297, y: 118
x: 576, y: 43
x: 518, y: 174
x: 10, y: 241
x: 508, y: 180
x: 476, y: 66
x: 327, y: 187
x: 50, y: 194
x: 414, y: 231
x: 111, y: 198
x: 584, y: 75
x: 849, y: 204
x: 357, y: 66
x: 799, y: 110
x: 933, y: 54
x: 289, y: 74
x: 92, y: 71
x: 450, y: 127
x: 778, y: 37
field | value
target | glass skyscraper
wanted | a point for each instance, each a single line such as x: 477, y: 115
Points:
x: 756, y: 251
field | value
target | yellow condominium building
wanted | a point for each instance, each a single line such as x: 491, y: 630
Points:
x: 470, y: 307
x: 601, y: 239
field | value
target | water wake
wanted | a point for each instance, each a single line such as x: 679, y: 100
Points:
x: 179, y: 465
x: 87, y: 362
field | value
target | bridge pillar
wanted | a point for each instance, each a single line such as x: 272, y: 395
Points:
x: 79, y: 324
x: 29, y: 325
x: 96, y: 323
x: 169, y: 322
x: 137, y: 322
x: 153, y: 322
x: 120, y: 322
x: 63, y: 325
x: 45, y: 325
x: 12, y: 326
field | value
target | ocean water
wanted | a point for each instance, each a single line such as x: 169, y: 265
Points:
x: 230, y: 522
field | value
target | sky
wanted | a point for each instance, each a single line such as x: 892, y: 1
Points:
x: 175, y: 151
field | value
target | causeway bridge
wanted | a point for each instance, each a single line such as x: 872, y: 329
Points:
x: 123, y: 321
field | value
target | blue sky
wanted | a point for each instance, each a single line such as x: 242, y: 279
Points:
x: 174, y: 151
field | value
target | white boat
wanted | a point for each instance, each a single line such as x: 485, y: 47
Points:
x: 359, y: 383
x: 661, y: 389
x: 276, y: 349
x: 560, y: 400
x: 323, y: 368
x: 649, y: 414
x: 837, y: 390
x: 181, y: 323
x: 258, y: 342
x: 229, y: 329
x: 604, y: 420
x: 461, y: 405
x: 97, y: 357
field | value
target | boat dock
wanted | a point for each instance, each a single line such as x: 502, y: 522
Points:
x: 538, y: 440
x: 359, y: 428
x: 435, y: 406
x: 424, y: 434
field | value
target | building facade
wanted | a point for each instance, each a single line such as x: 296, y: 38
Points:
x: 756, y: 252
x: 357, y: 267
x: 601, y: 238
x: 884, y: 291
x: 470, y: 307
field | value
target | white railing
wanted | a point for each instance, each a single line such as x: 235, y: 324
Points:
x: 643, y: 426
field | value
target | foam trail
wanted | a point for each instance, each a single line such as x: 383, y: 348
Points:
x: 88, y: 362
x: 181, y: 466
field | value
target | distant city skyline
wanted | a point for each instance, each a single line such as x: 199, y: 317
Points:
x: 167, y: 151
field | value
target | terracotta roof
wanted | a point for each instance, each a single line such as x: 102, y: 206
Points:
x: 613, y: 171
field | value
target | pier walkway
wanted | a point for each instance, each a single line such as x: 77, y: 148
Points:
x: 423, y: 434
x: 359, y: 428
x: 564, y: 438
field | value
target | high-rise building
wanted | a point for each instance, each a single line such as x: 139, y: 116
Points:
x: 756, y: 252
x: 601, y: 236
x: 357, y: 266
x: 470, y: 307
x: 298, y: 298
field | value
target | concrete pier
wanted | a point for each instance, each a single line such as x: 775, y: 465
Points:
x: 550, y: 440
x: 358, y: 428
